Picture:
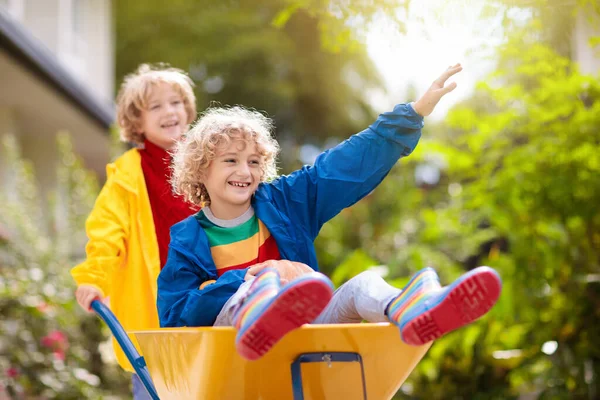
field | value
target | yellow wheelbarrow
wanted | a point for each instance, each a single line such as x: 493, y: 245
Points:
x: 341, y: 361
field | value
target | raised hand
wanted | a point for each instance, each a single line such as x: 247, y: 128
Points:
x: 426, y: 104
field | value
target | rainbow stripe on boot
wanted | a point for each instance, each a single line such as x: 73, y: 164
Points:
x: 270, y: 311
x: 424, y: 311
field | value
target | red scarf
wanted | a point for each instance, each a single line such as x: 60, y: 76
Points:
x: 167, y: 209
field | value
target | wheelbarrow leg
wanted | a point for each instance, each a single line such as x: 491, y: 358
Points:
x: 323, y: 357
x: 137, y: 361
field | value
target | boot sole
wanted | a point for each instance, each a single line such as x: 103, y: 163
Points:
x: 298, y: 304
x: 463, y: 302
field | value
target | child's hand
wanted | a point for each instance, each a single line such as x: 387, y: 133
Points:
x: 425, y: 105
x: 255, y: 269
x: 288, y: 270
x: 85, y: 294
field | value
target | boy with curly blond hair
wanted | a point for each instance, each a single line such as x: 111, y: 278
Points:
x: 128, y: 228
x: 247, y: 259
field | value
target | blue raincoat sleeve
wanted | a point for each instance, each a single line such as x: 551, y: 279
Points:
x: 180, y: 301
x: 348, y: 172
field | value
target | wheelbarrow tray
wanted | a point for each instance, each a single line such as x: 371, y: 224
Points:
x: 341, y: 361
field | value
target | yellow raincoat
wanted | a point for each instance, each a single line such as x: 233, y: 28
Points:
x: 122, y: 252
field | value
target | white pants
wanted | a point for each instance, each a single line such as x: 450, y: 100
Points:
x: 364, y: 297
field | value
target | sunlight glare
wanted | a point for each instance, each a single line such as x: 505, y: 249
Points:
x: 439, y: 33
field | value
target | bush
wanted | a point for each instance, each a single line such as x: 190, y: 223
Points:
x: 49, y: 348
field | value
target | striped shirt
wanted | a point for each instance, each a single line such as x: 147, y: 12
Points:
x: 237, y: 243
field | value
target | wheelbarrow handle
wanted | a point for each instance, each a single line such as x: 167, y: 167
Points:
x: 137, y: 361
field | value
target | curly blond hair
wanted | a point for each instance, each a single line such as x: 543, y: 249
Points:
x: 135, y: 91
x: 214, y: 131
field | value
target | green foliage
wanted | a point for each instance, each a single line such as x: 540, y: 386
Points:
x: 48, y: 348
x: 556, y: 20
x: 519, y: 191
x: 267, y: 55
x: 532, y: 177
x: 341, y: 22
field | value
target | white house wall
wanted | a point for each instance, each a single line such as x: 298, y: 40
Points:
x: 35, y: 113
x: 587, y: 25
x: 79, y: 35
x: 100, y: 59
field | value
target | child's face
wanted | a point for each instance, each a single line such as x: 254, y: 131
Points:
x: 164, y: 120
x: 232, y: 178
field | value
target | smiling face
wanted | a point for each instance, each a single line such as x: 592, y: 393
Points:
x: 232, y: 178
x: 164, y: 119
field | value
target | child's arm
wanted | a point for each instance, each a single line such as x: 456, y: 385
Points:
x: 107, y: 228
x: 180, y: 301
x: 346, y: 173
x: 189, y: 294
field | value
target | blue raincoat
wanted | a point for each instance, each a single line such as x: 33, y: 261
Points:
x: 293, y: 207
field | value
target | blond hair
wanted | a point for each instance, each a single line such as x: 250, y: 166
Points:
x: 135, y: 91
x: 214, y: 131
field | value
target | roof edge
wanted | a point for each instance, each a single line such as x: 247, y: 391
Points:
x: 39, y: 60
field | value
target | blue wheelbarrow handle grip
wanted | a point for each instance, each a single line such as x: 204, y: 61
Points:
x: 137, y: 361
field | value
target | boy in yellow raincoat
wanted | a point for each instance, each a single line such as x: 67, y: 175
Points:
x: 128, y: 229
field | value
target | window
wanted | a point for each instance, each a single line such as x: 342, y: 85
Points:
x: 78, y: 14
x: 73, y: 45
x: 78, y: 17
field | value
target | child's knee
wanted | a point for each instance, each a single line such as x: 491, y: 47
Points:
x: 366, y: 276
